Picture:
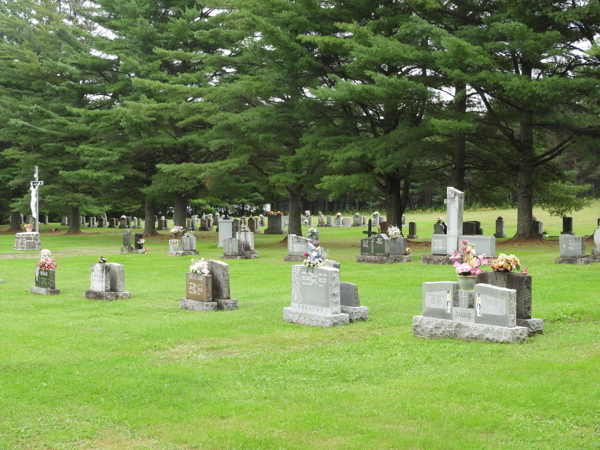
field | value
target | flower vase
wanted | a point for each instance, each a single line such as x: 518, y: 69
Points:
x: 176, y: 235
x: 467, y: 282
x: 28, y: 228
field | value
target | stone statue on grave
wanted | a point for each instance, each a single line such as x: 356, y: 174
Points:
x: 33, y: 202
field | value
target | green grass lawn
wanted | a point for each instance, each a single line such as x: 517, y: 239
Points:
x: 142, y: 374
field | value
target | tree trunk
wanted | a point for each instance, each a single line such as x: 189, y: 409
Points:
x: 149, y: 213
x: 15, y: 221
x: 395, y: 199
x: 525, y: 178
x: 181, y: 202
x: 295, y: 212
x: 74, y: 221
x: 457, y: 177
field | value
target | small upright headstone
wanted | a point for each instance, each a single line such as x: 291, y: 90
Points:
x: 139, y: 242
x: 350, y: 303
x: 45, y: 275
x: 129, y: 223
x: 383, y: 226
x: 346, y: 221
x: 127, y: 242
x: 499, y: 228
x: 537, y: 227
x: 337, y: 221
x: 189, y: 244
x: 225, y: 231
x: 64, y: 221
x: 107, y: 282
x: 297, y: 246
x: 123, y: 222
x: 412, y: 230
x: 567, y: 226
x: 112, y: 223
x: 261, y: 219
x: 329, y: 221
x: 275, y: 225
x: 195, y: 224
x: 219, y: 290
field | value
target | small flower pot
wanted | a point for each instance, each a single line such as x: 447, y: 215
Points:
x: 467, y: 282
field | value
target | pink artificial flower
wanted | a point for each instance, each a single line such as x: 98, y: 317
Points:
x: 462, y: 249
x: 465, y: 242
x: 476, y: 262
x: 305, y: 254
x: 476, y: 271
x: 456, y: 264
x: 483, y: 259
x: 455, y: 256
x: 463, y: 268
x: 526, y: 271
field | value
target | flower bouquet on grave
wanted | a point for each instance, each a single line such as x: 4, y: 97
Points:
x: 468, y: 266
x: 315, y: 257
x: 376, y: 213
x: 188, y: 234
x: 357, y: 214
x: 199, y: 267
x: 270, y: 213
x: 307, y: 212
x: 244, y: 228
x: 408, y: 251
x: 46, y: 262
x: 145, y: 249
x: 439, y: 220
x: 506, y: 263
x: 338, y: 215
x: 279, y: 213
x: 394, y: 232
x: 176, y: 231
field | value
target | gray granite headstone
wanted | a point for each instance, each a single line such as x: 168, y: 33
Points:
x: 483, y: 244
x: 297, y: 245
x: 349, y: 295
x: 571, y: 246
x: 189, y: 243
x: 316, y: 289
x: 438, y: 299
x: 246, y: 239
x: 220, y: 279
x: 127, y: 238
x: 438, y: 244
x: 495, y: 306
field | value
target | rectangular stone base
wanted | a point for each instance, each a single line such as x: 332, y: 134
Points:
x: 440, y: 260
x: 195, y: 305
x: 429, y: 327
x: 356, y: 313
x: 183, y: 253
x: 500, y: 235
x: 413, y: 236
x: 227, y: 304
x: 107, y: 296
x: 534, y: 326
x: 43, y: 291
x: 293, y: 258
x: 382, y: 259
x: 310, y: 319
x: 579, y: 260
x: 245, y: 255
x: 268, y: 231
x: 126, y: 250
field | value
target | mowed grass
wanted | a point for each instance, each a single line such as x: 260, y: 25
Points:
x: 142, y: 374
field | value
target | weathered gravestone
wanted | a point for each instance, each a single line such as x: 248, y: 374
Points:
x: 329, y: 221
x: 438, y: 228
x: 240, y: 247
x: 346, y: 221
x: 253, y: 224
x: 487, y: 313
x: 27, y: 241
x: 64, y: 221
x: 337, y: 221
x: 572, y: 250
x: 213, y: 297
x: 350, y: 303
x: 275, y: 225
x: 380, y: 249
x: 315, y: 298
x: 102, y: 223
x: 195, y: 223
x: 138, y: 243
x: 321, y: 220
x: 127, y: 242
x: 123, y: 222
x: 383, y: 226
x: 537, y: 227
x: 471, y: 228
x: 261, y: 220
x: 358, y: 221
x: 107, y: 282
x: 45, y: 282
x: 499, y: 229
x: 112, y: 223
x: 45, y: 220
x: 189, y: 244
x: 225, y: 231
x: 297, y: 246
x: 412, y: 230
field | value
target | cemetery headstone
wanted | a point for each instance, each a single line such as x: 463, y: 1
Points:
x: 572, y: 250
x: 380, y: 249
x: 189, y: 244
x: 315, y: 298
x: 64, y: 221
x: 123, y: 222
x: 412, y: 230
x: 337, y: 221
x: 297, y: 246
x: 383, y: 226
x: 240, y: 247
x: 329, y: 222
x: 350, y: 303
x: 225, y: 231
x: 596, y: 251
x: 357, y: 221
x: 499, y: 228
x: 139, y: 242
x: 219, y: 291
x: 321, y: 221
x: 107, y: 282
x: 112, y: 223
x: 261, y: 220
x: 204, y: 225
x: 488, y: 313
x: 275, y: 225
x: 567, y: 226
x: 45, y: 276
x: 537, y: 227
x: 127, y: 242
x: 346, y: 221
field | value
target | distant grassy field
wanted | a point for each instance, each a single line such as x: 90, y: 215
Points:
x: 142, y: 374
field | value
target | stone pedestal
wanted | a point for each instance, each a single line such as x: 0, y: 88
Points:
x: 27, y: 241
x: 275, y: 225
x: 429, y: 327
x: 578, y: 260
x: 440, y: 260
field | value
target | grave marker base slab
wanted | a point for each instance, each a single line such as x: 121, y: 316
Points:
x: 227, y: 304
x: 579, y: 260
x: 107, y: 296
x: 413, y: 236
x: 382, y: 259
x: 440, y: 260
x: 534, y: 326
x: 195, y: 305
x: 429, y: 327
x: 126, y: 250
x: 356, y: 313
x: 250, y: 254
x: 268, y: 231
x: 500, y: 235
x: 43, y: 291
x: 293, y: 258
x: 184, y: 253
x: 310, y: 319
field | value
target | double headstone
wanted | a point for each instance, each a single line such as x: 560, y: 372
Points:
x: 240, y: 247
x: 189, y: 244
x: 380, y: 249
x: 107, y: 282
x: 204, y: 295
